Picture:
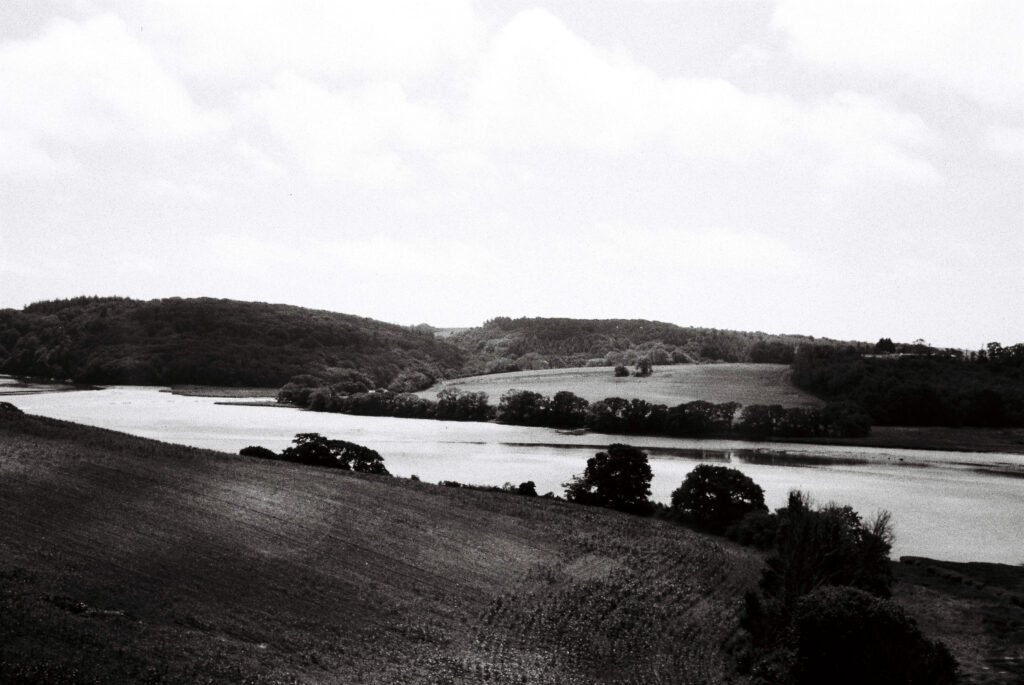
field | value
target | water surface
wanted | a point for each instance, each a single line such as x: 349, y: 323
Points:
x: 948, y: 505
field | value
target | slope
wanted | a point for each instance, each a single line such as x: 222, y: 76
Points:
x: 208, y: 341
x: 129, y: 560
x: 504, y: 344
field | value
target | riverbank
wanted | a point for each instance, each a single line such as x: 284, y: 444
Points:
x: 932, y: 438
x: 963, y: 439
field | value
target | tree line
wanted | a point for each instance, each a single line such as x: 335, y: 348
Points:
x: 923, y: 388
x: 566, y: 410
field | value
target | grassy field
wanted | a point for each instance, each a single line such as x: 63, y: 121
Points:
x: 669, y: 385
x: 128, y: 560
x: 976, y: 609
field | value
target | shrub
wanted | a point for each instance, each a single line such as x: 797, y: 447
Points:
x: 621, y: 371
x: 257, y: 451
x: 756, y: 529
x: 716, y: 496
x: 844, y: 635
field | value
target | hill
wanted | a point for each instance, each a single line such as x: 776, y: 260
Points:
x: 503, y: 344
x: 211, y: 342
x: 129, y: 560
x: 669, y: 385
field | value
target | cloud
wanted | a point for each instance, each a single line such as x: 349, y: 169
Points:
x: 251, y: 39
x: 540, y: 87
x: 89, y: 83
x: 360, y: 135
x: 864, y: 138
x: 1007, y: 141
x: 974, y: 48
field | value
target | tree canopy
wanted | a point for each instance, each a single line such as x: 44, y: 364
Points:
x: 619, y: 479
x: 716, y: 496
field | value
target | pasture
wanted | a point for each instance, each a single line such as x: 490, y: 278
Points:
x: 129, y: 560
x: 669, y: 385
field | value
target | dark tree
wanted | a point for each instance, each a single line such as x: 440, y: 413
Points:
x: 619, y: 479
x: 644, y: 368
x: 827, y: 546
x: 313, y: 449
x: 316, y: 450
x: 258, y: 451
x: 885, y: 346
x: 523, y: 408
x: 528, y: 489
x: 717, y: 496
x: 621, y: 371
x: 566, y: 410
x: 846, y: 636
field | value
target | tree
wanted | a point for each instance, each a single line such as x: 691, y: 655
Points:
x: 827, y: 546
x: 844, y: 635
x: 523, y: 408
x: 885, y: 346
x: 619, y: 479
x: 621, y: 371
x: 316, y: 450
x: 567, y: 410
x: 717, y: 496
x: 643, y: 368
x: 253, y: 451
x: 311, y: 448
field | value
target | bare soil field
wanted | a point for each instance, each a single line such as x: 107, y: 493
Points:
x: 669, y: 385
x: 129, y: 560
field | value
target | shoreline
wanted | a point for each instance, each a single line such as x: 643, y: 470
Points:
x: 928, y: 438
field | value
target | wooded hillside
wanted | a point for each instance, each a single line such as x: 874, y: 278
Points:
x: 503, y: 344
x: 209, y: 341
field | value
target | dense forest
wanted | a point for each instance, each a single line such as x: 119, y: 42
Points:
x: 209, y: 341
x: 504, y: 344
x: 923, y: 388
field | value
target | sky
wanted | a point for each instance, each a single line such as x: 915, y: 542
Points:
x: 852, y: 170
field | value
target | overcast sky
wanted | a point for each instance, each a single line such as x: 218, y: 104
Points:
x: 850, y: 170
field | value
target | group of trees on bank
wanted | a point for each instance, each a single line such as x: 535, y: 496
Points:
x: 927, y: 388
x: 821, y: 613
x: 314, y: 449
x: 567, y: 410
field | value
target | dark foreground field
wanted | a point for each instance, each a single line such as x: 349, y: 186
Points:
x: 124, y: 559
x: 128, y: 560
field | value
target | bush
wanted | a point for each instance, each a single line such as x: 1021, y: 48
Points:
x: 716, y: 496
x: 527, y: 489
x: 756, y: 529
x: 257, y: 451
x: 844, y: 635
x: 621, y: 371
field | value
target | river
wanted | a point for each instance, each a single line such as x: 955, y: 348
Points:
x: 960, y: 506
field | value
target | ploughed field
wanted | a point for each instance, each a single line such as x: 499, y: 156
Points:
x: 669, y: 385
x: 129, y: 560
